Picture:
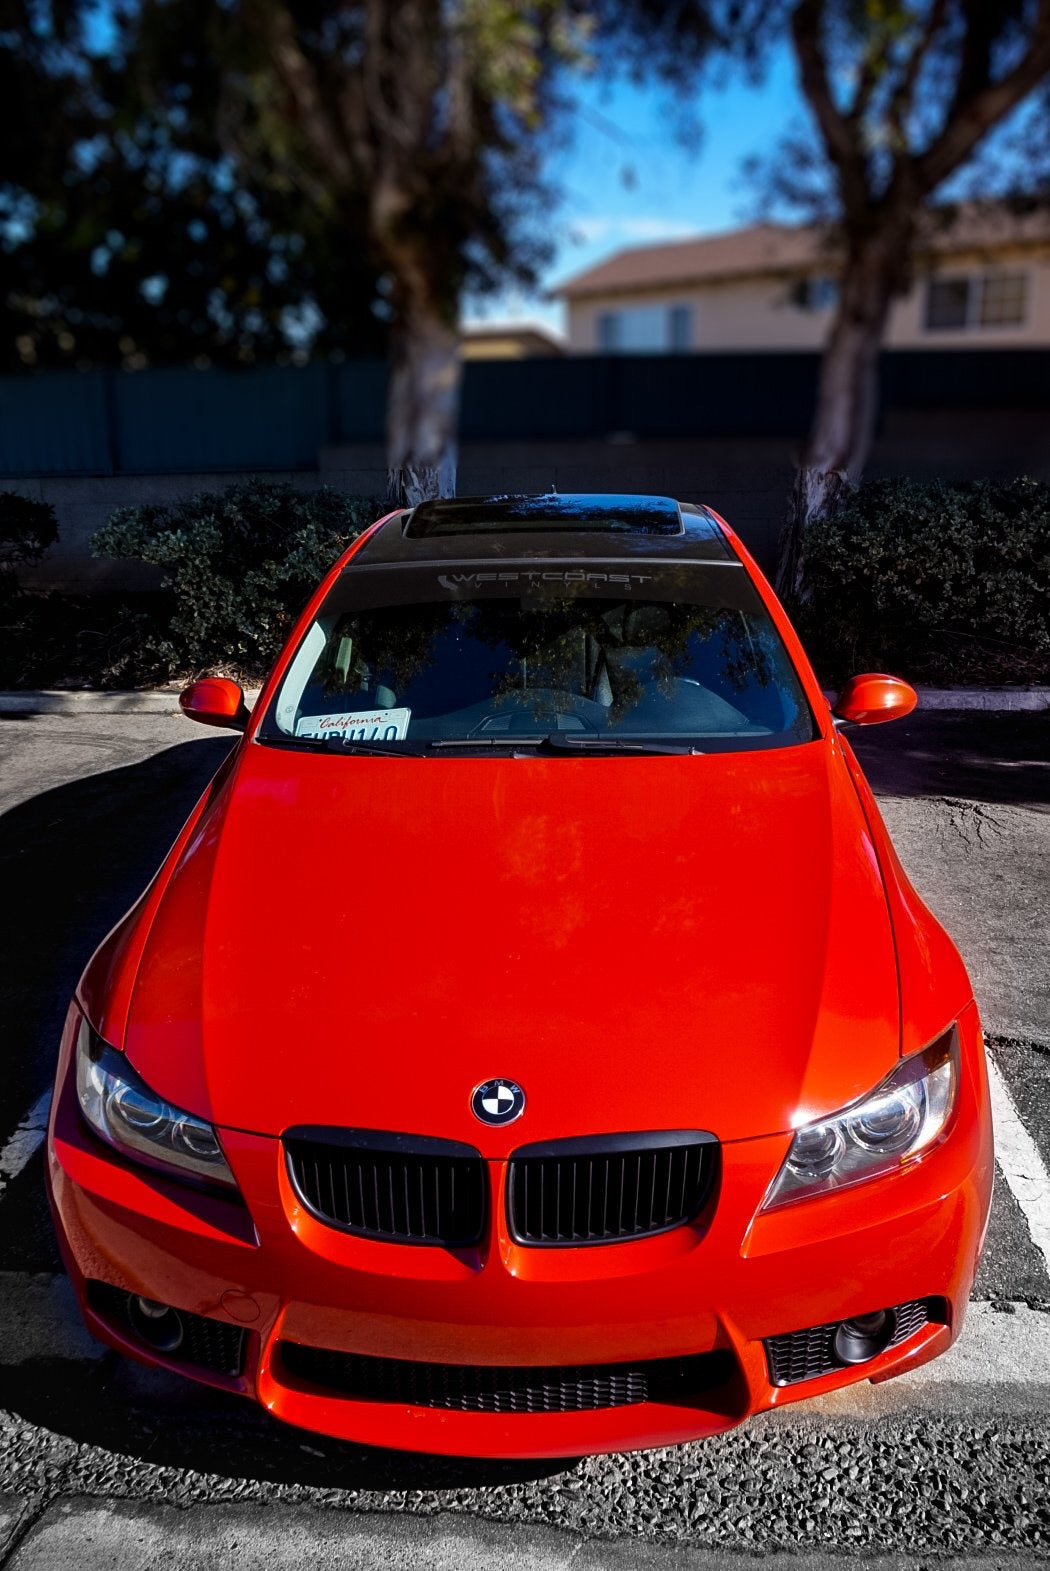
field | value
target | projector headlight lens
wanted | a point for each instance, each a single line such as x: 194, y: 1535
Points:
x: 899, y: 1120
x: 122, y: 1110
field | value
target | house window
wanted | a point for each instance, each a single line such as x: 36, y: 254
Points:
x: 977, y: 300
x: 680, y: 329
x: 816, y: 293
x: 1004, y: 299
x: 609, y: 332
x: 948, y: 302
x: 646, y: 330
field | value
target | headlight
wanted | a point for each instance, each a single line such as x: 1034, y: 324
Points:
x: 121, y: 1108
x: 900, y: 1119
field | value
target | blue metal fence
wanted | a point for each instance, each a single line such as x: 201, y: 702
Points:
x: 278, y: 418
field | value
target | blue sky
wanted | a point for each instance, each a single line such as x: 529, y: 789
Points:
x: 626, y: 179
x: 674, y: 191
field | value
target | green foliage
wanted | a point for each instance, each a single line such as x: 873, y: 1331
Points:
x: 27, y: 528
x: 130, y: 232
x: 932, y: 580
x: 96, y: 640
x: 239, y: 564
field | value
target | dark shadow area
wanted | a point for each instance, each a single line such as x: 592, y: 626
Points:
x: 72, y: 860
x: 162, y: 1421
x: 27, y: 1238
x: 981, y: 756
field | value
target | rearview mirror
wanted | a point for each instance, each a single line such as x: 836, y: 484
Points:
x: 215, y: 700
x: 872, y: 698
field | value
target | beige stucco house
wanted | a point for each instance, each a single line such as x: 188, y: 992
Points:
x: 507, y: 341
x: 982, y: 280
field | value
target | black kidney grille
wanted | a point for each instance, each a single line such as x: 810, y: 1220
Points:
x: 603, y: 1197
x: 806, y: 1355
x: 468, y: 1388
x: 403, y: 1197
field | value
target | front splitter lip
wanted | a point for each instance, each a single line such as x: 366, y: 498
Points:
x: 440, y: 1432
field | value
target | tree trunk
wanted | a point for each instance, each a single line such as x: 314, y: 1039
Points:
x: 422, y: 407
x: 844, y: 424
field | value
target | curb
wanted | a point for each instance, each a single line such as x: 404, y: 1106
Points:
x: 53, y: 702
x: 166, y: 702
x: 990, y: 698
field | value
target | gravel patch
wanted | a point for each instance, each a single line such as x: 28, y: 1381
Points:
x: 927, y: 1485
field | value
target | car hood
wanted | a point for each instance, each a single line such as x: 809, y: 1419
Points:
x: 641, y: 943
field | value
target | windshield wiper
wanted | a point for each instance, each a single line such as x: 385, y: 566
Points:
x: 568, y: 742
x: 488, y: 741
x: 560, y: 741
x: 338, y: 744
x: 572, y: 742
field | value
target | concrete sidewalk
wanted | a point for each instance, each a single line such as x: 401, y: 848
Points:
x: 131, y: 1536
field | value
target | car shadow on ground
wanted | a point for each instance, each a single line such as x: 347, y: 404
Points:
x: 160, y: 1420
x: 72, y: 860
x: 969, y: 754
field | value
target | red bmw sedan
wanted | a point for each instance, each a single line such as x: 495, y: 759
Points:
x: 531, y: 1045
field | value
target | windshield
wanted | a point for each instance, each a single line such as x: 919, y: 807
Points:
x: 522, y: 654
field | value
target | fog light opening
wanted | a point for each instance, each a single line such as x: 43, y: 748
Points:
x: 864, y: 1336
x: 157, y: 1324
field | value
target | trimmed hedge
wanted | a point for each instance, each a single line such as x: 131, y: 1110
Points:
x: 935, y: 581
x: 932, y: 580
x: 238, y: 565
x: 27, y: 528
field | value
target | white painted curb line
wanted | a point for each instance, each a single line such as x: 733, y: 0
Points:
x: 1021, y: 1164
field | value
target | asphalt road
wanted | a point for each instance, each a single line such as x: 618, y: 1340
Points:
x: 95, y: 1453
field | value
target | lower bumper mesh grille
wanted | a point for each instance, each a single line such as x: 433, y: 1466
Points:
x: 806, y: 1355
x: 206, y: 1343
x: 469, y: 1388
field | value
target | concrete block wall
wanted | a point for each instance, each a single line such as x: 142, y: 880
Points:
x: 746, y: 479
x: 84, y: 502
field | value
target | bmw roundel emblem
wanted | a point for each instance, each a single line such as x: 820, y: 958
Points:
x: 498, y: 1101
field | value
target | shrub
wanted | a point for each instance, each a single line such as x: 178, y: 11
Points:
x: 27, y: 528
x: 933, y: 580
x: 238, y: 565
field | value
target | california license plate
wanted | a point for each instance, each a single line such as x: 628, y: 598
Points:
x: 372, y: 725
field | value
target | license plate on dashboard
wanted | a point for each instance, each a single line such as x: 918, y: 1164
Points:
x: 372, y: 725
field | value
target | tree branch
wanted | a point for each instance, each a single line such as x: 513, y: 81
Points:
x: 901, y: 100
x: 866, y: 85
x: 301, y: 81
x: 837, y: 131
x: 974, y: 113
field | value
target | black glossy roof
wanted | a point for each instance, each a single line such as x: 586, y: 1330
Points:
x: 555, y: 525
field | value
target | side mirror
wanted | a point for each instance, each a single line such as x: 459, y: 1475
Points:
x: 872, y: 698
x: 215, y: 701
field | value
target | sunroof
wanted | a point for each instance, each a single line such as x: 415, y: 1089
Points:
x: 494, y: 515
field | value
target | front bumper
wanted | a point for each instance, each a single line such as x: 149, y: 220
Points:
x: 722, y: 1286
